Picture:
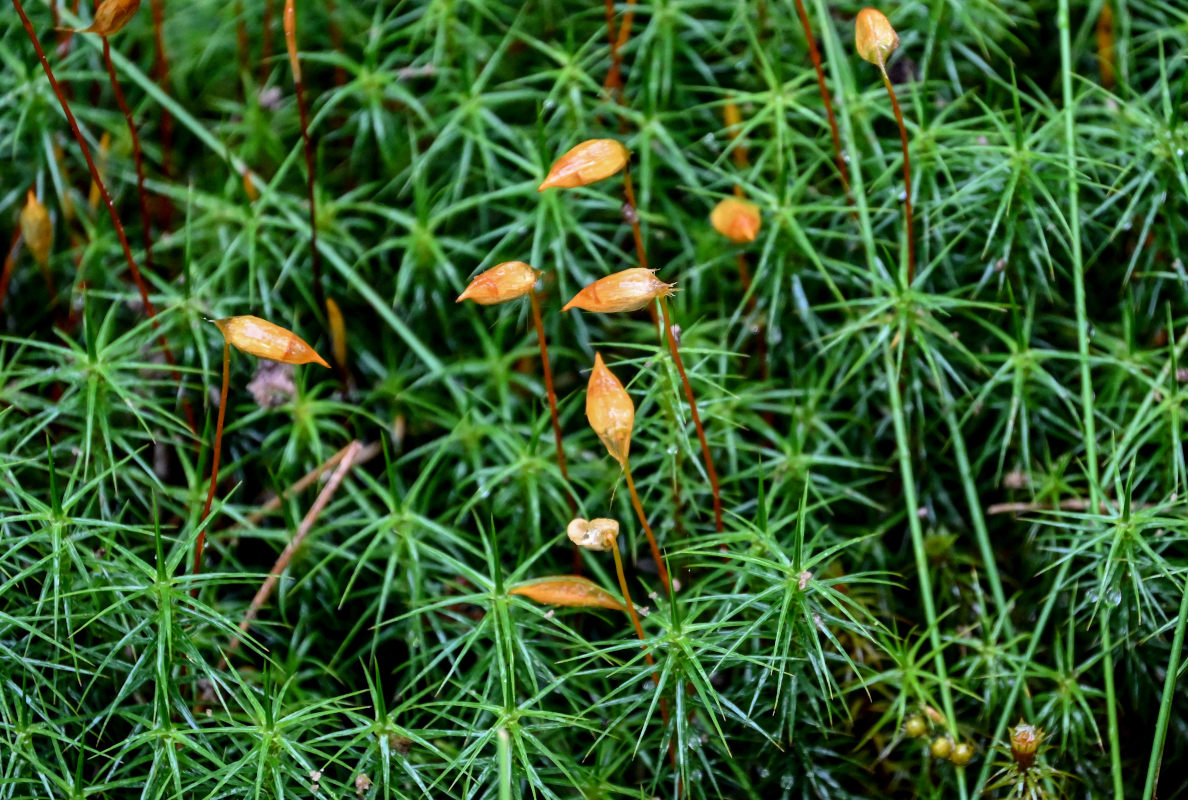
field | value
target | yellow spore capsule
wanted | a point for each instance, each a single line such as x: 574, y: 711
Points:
x: 915, y: 726
x: 962, y: 754
x: 941, y: 747
x: 874, y: 38
x: 259, y: 337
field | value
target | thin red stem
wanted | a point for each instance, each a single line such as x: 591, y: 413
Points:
x: 907, y: 177
x: 632, y: 214
x: 290, y: 25
x: 266, y: 43
x: 86, y: 151
x: 705, y: 451
x: 643, y: 519
x: 816, y: 59
x: 241, y: 39
x: 111, y: 209
x: 614, y: 80
x: 9, y: 263
x: 552, y: 394
x: 638, y: 627
x: 137, y: 157
x: 214, y: 467
x: 161, y: 73
x: 336, y: 41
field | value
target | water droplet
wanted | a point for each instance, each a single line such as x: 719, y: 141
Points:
x: 1114, y: 597
x: 1091, y: 596
x: 787, y: 780
x: 763, y: 772
x: 902, y: 195
x: 673, y: 450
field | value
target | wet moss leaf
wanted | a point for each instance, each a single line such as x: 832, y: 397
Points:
x: 259, y: 337
x: 568, y: 590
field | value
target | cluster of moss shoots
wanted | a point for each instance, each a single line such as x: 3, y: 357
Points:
x: 609, y: 408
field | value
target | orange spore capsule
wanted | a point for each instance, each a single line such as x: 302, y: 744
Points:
x: 736, y: 219
x: 1025, y: 742
x: 37, y: 229
x: 629, y: 290
x: 338, y: 335
x: 568, y: 590
x: 259, y: 337
x: 610, y: 411
x: 289, y: 20
x: 874, y: 38
x: 503, y: 282
x: 110, y: 17
x: 589, y: 162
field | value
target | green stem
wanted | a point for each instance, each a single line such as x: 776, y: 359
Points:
x: 1087, y: 421
x: 903, y: 451
x: 547, y: 369
x: 1165, y: 704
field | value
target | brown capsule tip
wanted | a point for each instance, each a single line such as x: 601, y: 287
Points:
x: 629, y: 290
x: 736, y: 219
x: 261, y: 338
x: 599, y: 533
x: 589, y: 162
x: 874, y: 38
x: 610, y: 411
x: 1025, y: 742
x: 503, y: 282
